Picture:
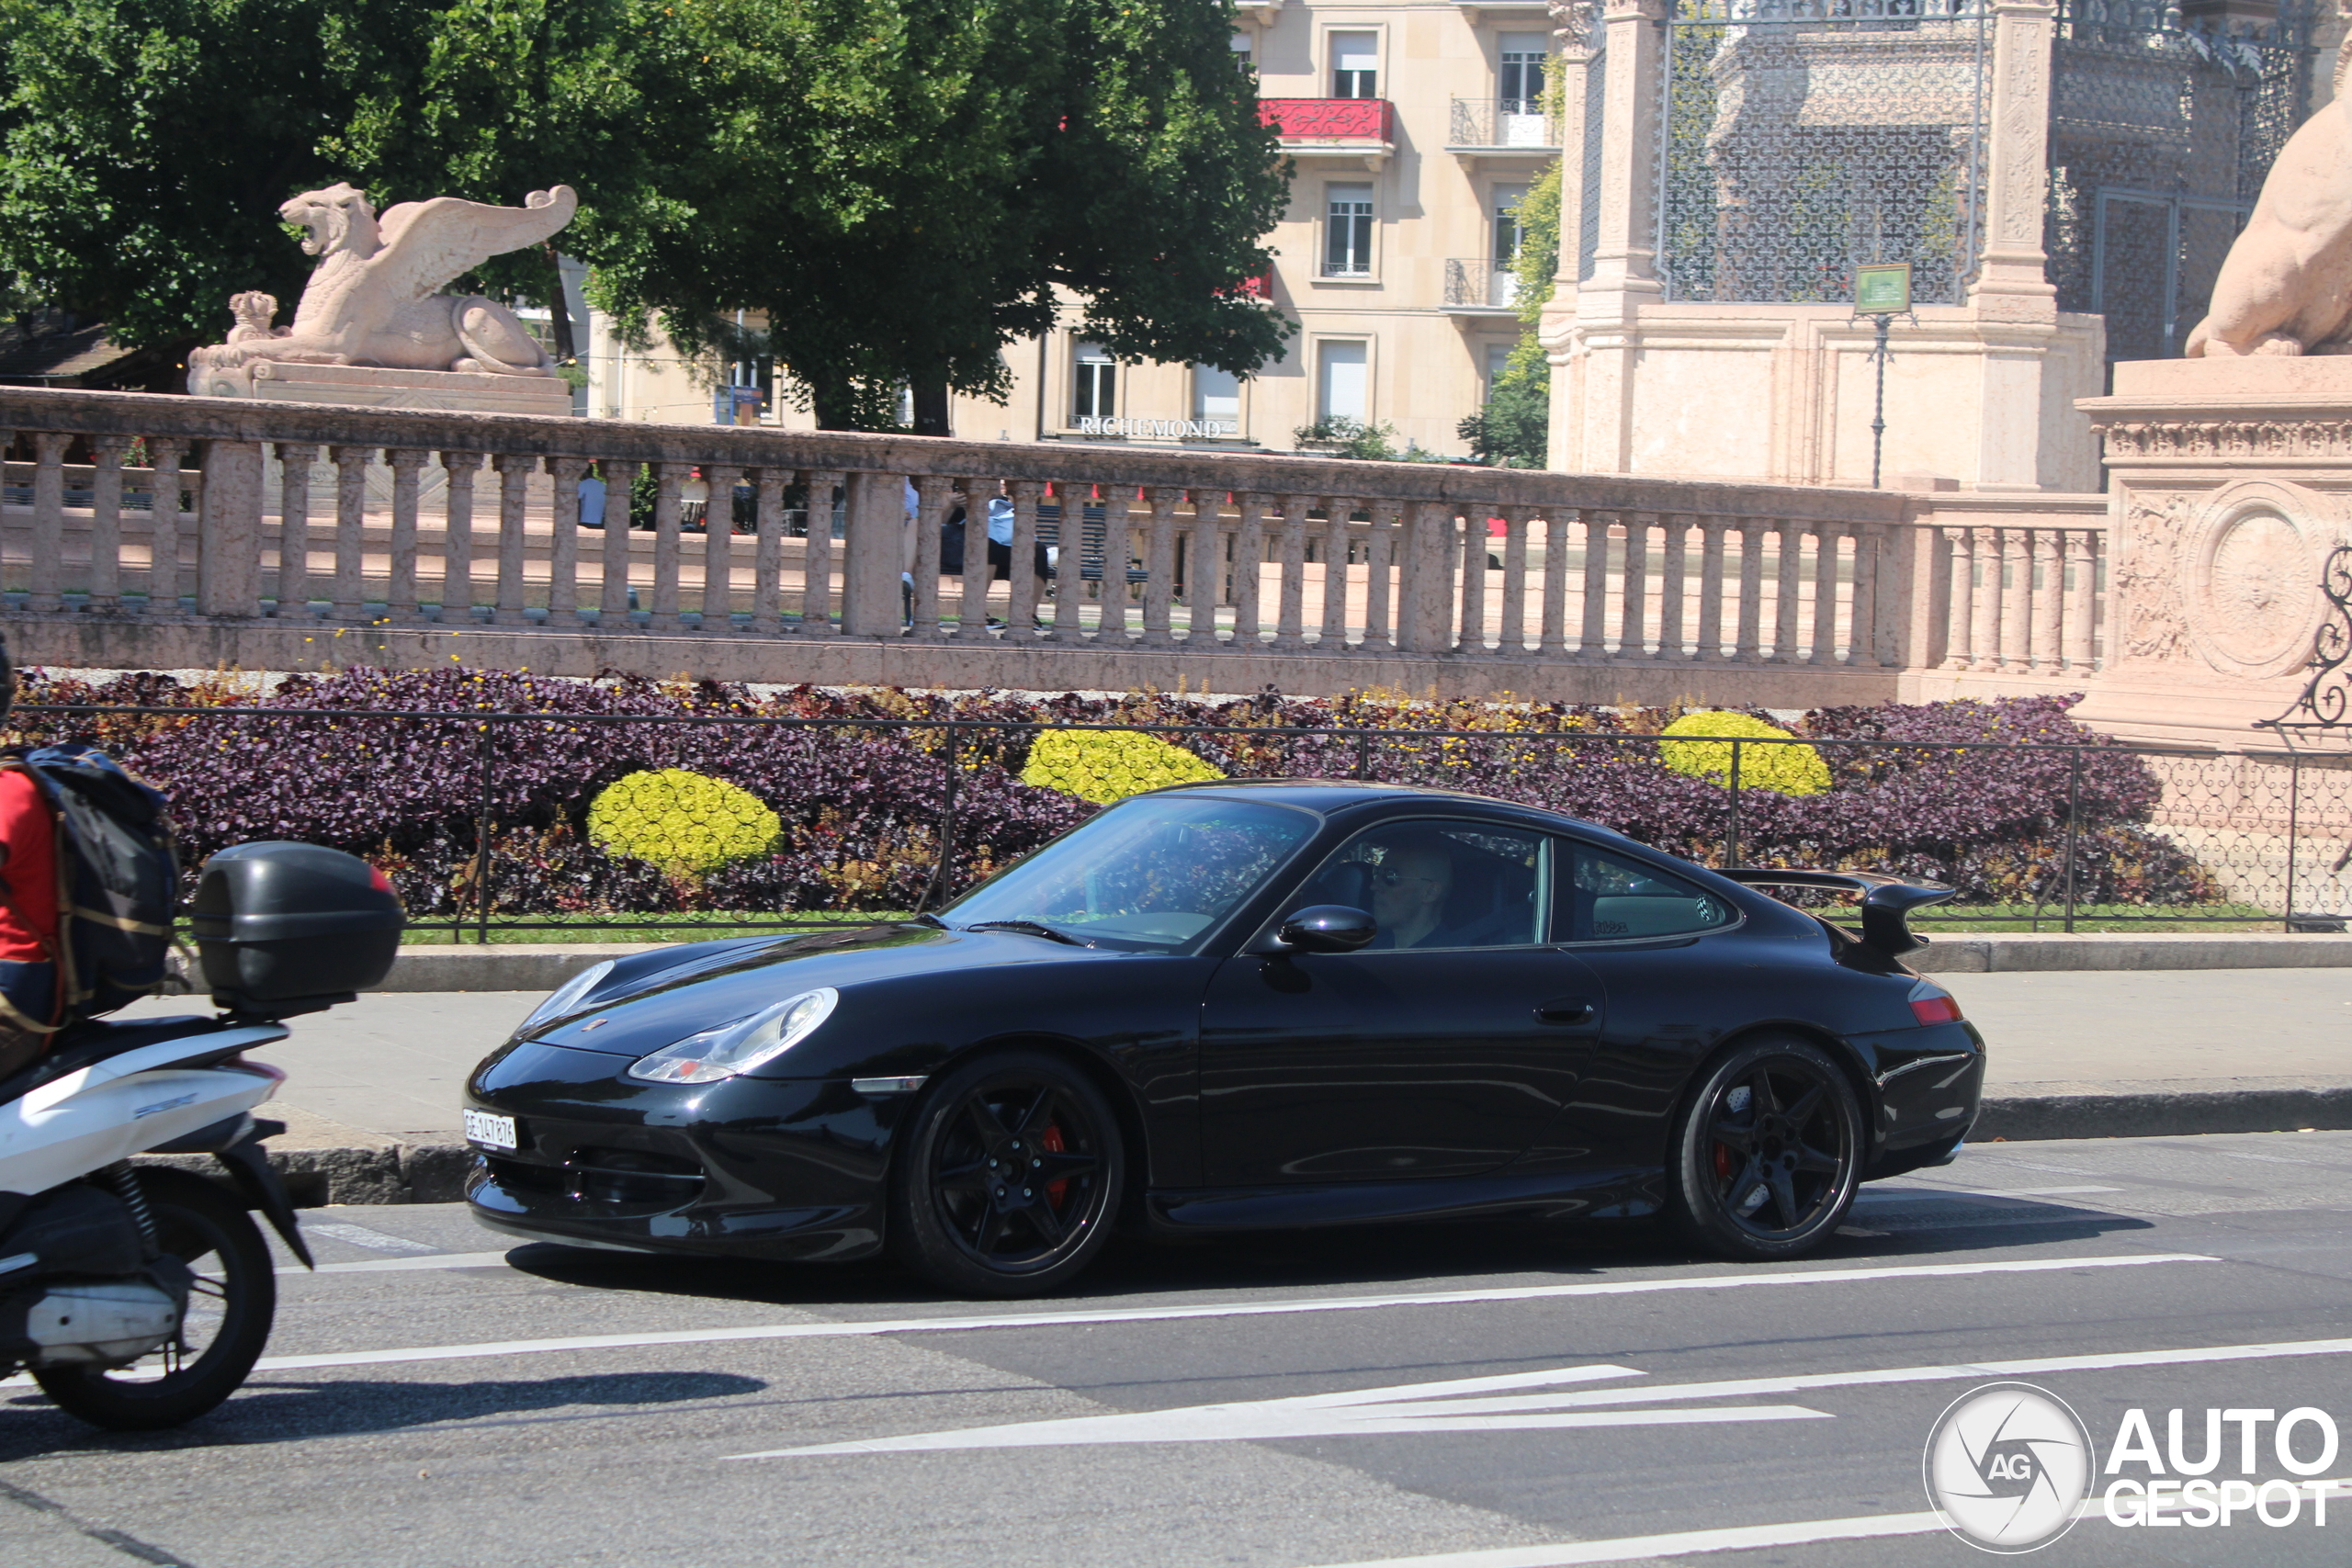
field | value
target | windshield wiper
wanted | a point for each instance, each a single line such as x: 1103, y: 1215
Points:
x: 934, y: 921
x: 1032, y: 928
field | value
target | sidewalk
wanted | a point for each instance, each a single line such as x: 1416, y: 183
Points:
x: 371, y: 1100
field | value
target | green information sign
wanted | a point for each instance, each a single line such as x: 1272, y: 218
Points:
x: 1882, y: 289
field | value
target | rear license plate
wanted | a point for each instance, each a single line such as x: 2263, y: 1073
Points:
x: 488, y: 1130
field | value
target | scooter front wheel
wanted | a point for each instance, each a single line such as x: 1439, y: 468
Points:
x: 229, y: 1313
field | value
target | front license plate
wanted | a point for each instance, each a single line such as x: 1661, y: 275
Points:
x: 488, y: 1130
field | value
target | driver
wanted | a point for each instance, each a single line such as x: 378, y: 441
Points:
x: 29, y: 972
x: 1409, y: 888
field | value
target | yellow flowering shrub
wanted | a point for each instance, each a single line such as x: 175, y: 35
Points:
x: 1789, y: 770
x: 1105, y: 765
x: 688, y: 824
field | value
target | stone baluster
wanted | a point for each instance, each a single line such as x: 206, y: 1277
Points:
x: 1788, y: 605
x: 1555, y: 642
x: 1985, y: 631
x: 2080, y: 563
x: 1470, y: 540
x: 457, y: 548
x: 1673, y: 566
x: 719, y: 549
x: 1748, y: 639
x: 228, y: 530
x: 1380, y: 575
x: 408, y: 471
x: 563, y: 542
x: 2049, y: 599
x: 1331, y: 634
x: 1204, y: 567
x: 1160, y: 567
x: 817, y: 562
x: 514, y: 472
x: 1960, y: 596
x: 932, y: 491
x: 1116, y: 619
x: 1069, y: 576
x: 1594, y: 643
x: 2017, y: 624
x: 164, y: 522
x: 611, y: 596
x: 49, y: 523
x: 1020, y: 622
x: 106, y: 522
x: 1511, y: 637
x: 1861, y: 634
x: 972, y: 614
x: 351, y: 532
x: 1290, y: 630
x: 1249, y: 570
x: 1633, y: 606
x: 294, y: 460
x: 1828, y: 542
x: 669, y: 541
x: 768, y: 567
x: 1711, y: 589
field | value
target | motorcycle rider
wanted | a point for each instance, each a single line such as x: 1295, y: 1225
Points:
x: 30, y: 998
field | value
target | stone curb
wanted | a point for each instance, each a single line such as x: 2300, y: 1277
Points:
x: 435, y: 1173
x: 544, y: 966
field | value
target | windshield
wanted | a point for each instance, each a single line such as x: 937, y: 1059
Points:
x: 1153, y: 873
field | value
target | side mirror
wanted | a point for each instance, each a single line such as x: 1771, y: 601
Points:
x: 1328, y: 928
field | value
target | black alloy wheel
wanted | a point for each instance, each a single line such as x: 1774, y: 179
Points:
x: 1767, y: 1153
x: 1008, y: 1177
x: 229, y: 1313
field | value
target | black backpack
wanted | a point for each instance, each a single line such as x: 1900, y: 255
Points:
x: 118, y: 876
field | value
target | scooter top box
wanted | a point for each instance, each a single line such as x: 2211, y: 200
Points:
x: 285, y: 928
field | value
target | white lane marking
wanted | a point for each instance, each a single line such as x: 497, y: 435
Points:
x: 829, y: 1330
x: 1679, y: 1543
x: 403, y: 1265
x: 373, y: 1240
x: 1292, y: 1417
x: 1407, y: 1407
x: 1907, y: 1193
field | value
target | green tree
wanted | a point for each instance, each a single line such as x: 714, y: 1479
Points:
x: 904, y: 188
x: 145, y: 144
x: 1512, y: 430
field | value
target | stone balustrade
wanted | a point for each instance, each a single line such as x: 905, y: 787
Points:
x: 305, y: 536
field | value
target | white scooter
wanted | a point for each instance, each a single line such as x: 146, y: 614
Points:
x: 140, y: 1296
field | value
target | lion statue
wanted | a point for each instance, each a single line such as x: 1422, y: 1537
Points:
x: 371, y: 301
x: 2286, y: 286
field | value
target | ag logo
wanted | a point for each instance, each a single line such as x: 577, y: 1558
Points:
x: 2006, y: 1467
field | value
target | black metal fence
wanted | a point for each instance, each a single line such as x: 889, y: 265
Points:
x: 504, y: 823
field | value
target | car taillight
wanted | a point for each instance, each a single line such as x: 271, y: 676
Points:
x: 1932, y: 1004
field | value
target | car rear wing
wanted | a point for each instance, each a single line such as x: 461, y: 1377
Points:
x: 1887, y: 901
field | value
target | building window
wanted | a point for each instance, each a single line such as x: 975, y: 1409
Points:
x: 1497, y: 362
x: 1244, y: 51
x: 1508, y: 231
x: 1523, y: 80
x: 1341, y: 389
x: 1347, y: 232
x: 1217, y: 394
x: 1096, y: 383
x: 1355, y: 65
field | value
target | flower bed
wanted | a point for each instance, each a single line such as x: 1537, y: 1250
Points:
x: 861, y: 809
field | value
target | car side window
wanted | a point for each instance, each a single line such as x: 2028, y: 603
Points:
x: 1607, y: 897
x: 1439, y: 884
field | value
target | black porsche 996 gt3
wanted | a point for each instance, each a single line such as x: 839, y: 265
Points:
x: 1242, y: 1006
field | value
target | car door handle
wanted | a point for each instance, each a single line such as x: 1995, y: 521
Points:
x: 1565, y: 1010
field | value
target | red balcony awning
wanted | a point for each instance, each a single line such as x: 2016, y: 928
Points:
x: 1327, y: 119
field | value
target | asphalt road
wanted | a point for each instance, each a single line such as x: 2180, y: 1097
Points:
x: 1479, y: 1397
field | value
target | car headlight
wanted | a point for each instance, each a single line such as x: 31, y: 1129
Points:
x: 565, y: 997
x: 739, y: 1047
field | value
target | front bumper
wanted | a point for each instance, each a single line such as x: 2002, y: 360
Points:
x: 785, y: 1168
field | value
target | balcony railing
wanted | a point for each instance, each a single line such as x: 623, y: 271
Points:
x: 1513, y: 125
x: 1477, y: 283
x: 1329, y: 122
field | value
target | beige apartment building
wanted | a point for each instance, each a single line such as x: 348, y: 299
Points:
x: 1414, y: 127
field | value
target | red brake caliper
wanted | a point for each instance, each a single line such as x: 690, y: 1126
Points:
x: 1722, y: 1163
x: 1051, y: 1142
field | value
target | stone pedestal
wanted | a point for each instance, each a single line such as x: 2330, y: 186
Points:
x: 2230, y: 480
x: 360, y: 386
